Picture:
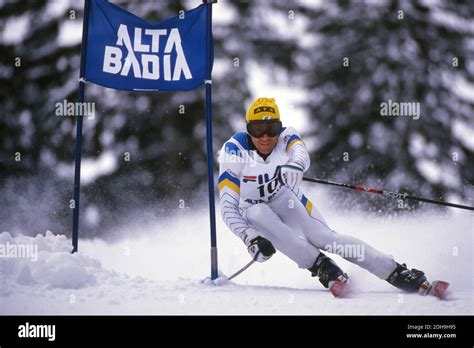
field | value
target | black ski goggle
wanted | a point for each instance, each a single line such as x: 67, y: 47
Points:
x: 258, y: 129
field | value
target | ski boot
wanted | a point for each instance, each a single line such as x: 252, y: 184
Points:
x: 329, y: 274
x: 415, y: 281
x: 409, y: 280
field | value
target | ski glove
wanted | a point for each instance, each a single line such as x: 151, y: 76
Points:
x: 261, y: 249
x: 291, y: 174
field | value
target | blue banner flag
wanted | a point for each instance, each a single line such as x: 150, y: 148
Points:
x: 128, y: 53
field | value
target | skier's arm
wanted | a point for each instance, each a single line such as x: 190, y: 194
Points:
x: 296, y: 150
x: 230, y: 166
x: 291, y: 173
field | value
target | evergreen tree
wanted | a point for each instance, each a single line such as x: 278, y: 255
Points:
x: 368, y: 53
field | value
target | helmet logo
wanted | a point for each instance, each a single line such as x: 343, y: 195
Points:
x: 266, y: 117
x: 263, y: 109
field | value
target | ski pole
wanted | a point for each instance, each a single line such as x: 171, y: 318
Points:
x: 241, y: 270
x: 388, y: 193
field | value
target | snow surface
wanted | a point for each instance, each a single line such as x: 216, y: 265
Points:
x: 163, y: 268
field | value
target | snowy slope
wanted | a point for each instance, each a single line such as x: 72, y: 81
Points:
x: 162, y: 269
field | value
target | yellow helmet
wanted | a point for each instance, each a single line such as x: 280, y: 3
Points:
x: 263, y: 109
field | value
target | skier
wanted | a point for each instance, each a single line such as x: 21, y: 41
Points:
x: 261, y: 202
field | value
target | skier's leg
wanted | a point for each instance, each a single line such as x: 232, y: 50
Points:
x: 304, y: 218
x: 282, y: 237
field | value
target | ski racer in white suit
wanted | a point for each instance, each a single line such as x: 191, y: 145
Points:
x: 261, y: 202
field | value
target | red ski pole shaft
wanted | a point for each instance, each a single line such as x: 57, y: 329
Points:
x: 388, y: 193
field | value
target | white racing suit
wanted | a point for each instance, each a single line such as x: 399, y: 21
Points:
x: 252, y: 196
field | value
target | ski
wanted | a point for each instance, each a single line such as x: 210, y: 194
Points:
x: 437, y: 288
x: 338, y: 287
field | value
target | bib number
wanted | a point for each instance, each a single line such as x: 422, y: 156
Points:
x: 268, y: 188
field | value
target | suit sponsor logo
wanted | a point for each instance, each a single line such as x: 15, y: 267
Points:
x: 248, y: 178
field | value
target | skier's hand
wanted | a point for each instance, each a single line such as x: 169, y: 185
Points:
x: 261, y: 249
x: 291, y: 174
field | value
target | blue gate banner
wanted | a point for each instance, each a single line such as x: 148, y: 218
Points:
x: 128, y: 53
